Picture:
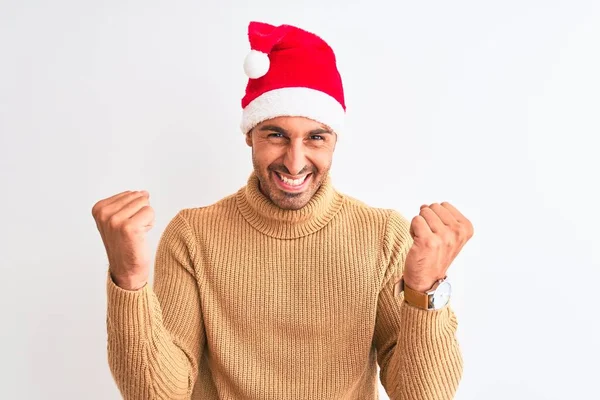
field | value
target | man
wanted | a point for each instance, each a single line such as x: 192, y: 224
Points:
x: 286, y: 289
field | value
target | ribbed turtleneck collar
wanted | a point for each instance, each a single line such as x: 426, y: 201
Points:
x: 271, y: 220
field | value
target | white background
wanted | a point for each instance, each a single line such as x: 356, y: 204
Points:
x: 491, y: 105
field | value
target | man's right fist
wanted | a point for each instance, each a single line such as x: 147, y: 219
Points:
x: 123, y: 221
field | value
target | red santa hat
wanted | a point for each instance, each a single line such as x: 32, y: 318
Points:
x: 291, y: 72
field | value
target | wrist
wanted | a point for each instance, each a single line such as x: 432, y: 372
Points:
x: 131, y: 283
x: 420, y: 286
x: 434, y: 297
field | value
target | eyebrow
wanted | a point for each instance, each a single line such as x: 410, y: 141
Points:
x: 278, y: 129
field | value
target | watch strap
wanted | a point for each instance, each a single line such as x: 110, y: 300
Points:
x: 416, y: 298
x: 413, y: 297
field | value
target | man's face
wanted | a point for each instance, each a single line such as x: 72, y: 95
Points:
x: 291, y: 157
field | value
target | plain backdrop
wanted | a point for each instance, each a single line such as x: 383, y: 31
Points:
x: 490, y: 105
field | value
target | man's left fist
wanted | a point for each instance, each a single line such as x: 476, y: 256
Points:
x: 439, y: 233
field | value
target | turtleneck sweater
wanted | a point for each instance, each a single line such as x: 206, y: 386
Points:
x: 250, y: 301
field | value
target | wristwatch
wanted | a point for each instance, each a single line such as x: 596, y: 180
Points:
x: 433, y: 299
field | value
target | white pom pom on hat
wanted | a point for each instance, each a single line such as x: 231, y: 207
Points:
x: 256, y: 64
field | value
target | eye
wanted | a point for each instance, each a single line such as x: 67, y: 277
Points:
x: 317, y: 137
x: 276, y: 135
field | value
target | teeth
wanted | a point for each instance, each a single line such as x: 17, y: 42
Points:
x: 292, y: 182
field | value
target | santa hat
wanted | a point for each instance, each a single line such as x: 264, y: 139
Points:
x: 291, y: 72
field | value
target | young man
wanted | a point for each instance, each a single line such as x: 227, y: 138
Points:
x: 286, y: 289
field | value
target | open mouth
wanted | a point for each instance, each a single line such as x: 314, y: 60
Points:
x: 295, y: 184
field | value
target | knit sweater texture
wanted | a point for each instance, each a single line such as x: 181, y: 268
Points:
x: 250, y: 301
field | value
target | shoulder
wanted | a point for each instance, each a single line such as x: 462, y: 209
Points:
x: 210, y: 215
x: 391, y: 226
x: 386, y: 218
x: 392, y: 232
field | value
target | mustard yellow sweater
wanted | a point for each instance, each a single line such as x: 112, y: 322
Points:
x: 253, y: 302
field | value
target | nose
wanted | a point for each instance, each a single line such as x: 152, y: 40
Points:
x: 295, y: 157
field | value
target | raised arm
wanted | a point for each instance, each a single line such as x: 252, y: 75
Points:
x: 155, y: 334
x: 417, y: 350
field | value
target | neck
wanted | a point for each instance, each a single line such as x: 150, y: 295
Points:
x: 268, y: 218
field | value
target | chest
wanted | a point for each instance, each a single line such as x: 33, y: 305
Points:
x: 311, y: 286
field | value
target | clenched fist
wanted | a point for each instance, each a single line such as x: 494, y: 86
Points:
x: 123, y: 221
x: 439, y: 231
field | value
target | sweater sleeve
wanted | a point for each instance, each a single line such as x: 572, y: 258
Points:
x: 156, y: 334
x: 417, y: 350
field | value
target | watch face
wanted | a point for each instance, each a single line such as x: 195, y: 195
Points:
x: 441, y: 296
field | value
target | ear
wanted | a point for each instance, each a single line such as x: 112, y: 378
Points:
x: 249, y: 138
